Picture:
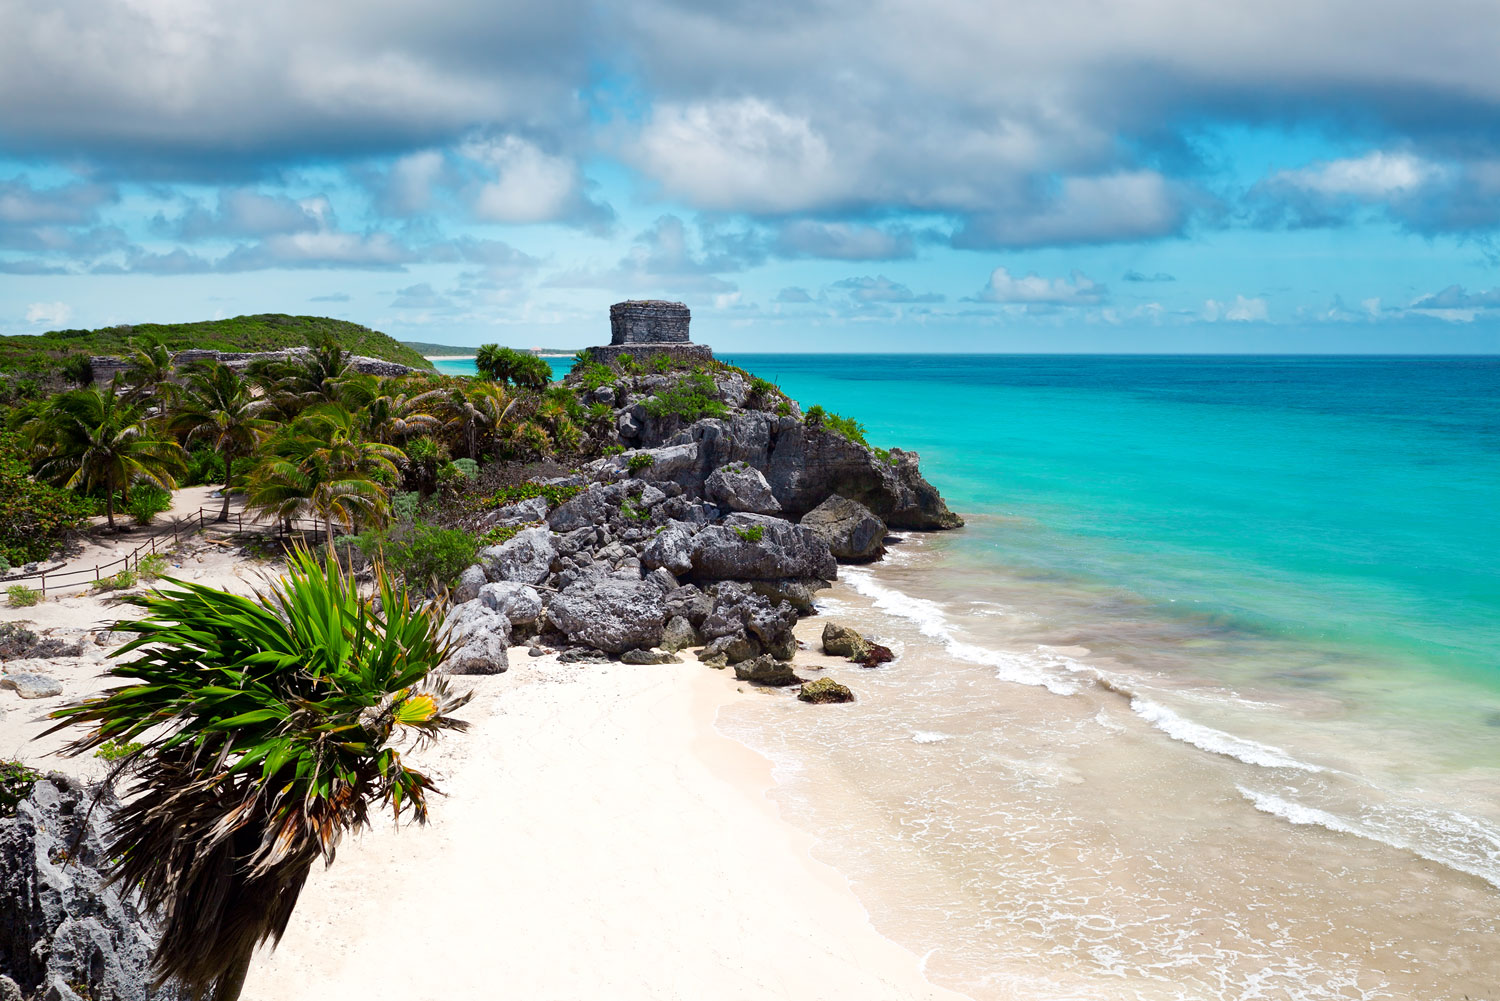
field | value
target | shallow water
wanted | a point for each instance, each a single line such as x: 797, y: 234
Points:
x: 1204, y: 702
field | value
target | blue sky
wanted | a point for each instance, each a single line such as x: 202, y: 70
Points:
x: 1150, y: 175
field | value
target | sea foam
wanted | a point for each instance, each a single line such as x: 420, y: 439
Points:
x: 1251, y: 752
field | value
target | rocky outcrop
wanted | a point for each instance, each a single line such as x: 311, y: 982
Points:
x: 758, y: 547
x: 610, y: 614
x: 525, y: 559
x: 766, y: 670
x: 852, y: 532
x: 740, y: 487
x: 519, y: 603
x: 64, y: 934
x: 841, y: 641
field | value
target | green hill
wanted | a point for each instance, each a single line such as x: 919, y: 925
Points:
x: 264, y: 332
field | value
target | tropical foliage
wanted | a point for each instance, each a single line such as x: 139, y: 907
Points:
x: 268, y: 727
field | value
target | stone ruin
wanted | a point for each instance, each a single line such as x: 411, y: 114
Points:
x: 642, y: 328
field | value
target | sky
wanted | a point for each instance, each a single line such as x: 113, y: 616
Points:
x: 821, y: 175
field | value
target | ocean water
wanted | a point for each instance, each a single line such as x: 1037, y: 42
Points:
x: 1203, y: 703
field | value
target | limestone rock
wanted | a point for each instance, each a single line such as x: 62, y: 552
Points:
x: 756, y: 547
x: 469, y: 582
x: 649, y: 657
x: 527, y: 558
x: 520, y: 513
x: 671, y: 548
x: 61, y: 926
x: 740, y: 487
x: 520, y: 603
x: 824, y: 690
x: 31, y: 686
x: 679, y: 634
x: 851, y: 531
x: 610, y: 614
x: 841, y: 641
x: 479, y: 639
x: 765, y: 670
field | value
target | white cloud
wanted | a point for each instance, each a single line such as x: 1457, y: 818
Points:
x: 1241, y: 310
x: 1374, y: 176
x: 742, y: 154
x: 53, y: 314
x: 1076, y: 290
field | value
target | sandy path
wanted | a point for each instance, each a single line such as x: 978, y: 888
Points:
x: 599, y: 840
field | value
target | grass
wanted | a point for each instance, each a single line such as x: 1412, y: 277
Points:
x: 121, y: 581
x: 262, y: 332
x: 640, y: 461
x: 554, y: 495
x: 151, y: 567
x: 754, y: 533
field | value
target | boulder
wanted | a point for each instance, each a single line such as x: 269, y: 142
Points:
x: 610, y: 614
x: 520, y: 513
x: 64, y: 932
x: 671, y: 548
x: 824, y: 690
x: 649, y: 657
x: 527, y: 558
x: 741, y: 487
x: 520, y: 603
x: 765, y: 670
x: 841, y: 641
x: 479, y: 638
x: 756, y: 547
x: 798, y: 594
x: 31, y: 686
x: 679, y: 634
x: 852, y: 532
x: 469, y: 582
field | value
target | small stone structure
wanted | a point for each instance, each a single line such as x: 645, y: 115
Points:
x: 642, y: 328
x: 107, y: 366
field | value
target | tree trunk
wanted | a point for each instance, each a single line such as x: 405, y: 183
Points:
x: 232, y: 981
x: 228, y: 475
x: 109, y: 508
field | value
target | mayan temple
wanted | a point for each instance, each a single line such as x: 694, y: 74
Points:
x: 645, y: 327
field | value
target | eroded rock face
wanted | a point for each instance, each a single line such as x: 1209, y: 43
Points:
x: 852, y: 532
x: 757, y: 547
x: 610, y: 614
x: 479, y: 638
x: 520, y: 603
x: 469, y: 582
x: 740, y: 487
x: 526, y: 559
x: 841, y: 641
x: 61, y: 928
x: 671, y: 548
x: 765, y: 670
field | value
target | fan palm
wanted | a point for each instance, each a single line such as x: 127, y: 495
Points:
x: 92, y: 439
x: 220, y: 410
x: 391, y: 420
x: 149, y: 373
x: 323, y: 468
x: 474, y: 414
x: 268, y: 727
x: 519, y: 368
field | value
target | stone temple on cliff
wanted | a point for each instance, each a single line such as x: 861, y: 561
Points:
x: 645, y: 327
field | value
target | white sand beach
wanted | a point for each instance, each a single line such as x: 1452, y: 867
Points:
x: 599, y: 840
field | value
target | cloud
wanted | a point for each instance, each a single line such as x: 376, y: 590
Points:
x: 1241, y: 310
x: 842, y: 241
x: 667, y: 256
x: 420, y: 296
x: 1076, y: 290
x: 793, y: 294
x: 1420, y: 194
x: 71, y: 204
x: 1127, y: 206
x: 373, y: 251
x: 882, y: 289
x: 244, y: 212
x: 1136, y: 276
x: 330, y: 297
x: 520, y: 183
x: 54, y: 314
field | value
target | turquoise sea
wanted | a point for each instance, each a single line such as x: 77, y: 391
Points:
x: 1204, y: 702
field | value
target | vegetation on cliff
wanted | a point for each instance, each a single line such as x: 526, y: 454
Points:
x: 44, y: 353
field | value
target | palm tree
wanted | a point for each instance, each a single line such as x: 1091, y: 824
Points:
x: 507, y: 365
x: 322, y: 375
x: 323, y: 468
x: 149, y: 373
x: 391, y: 420
x: 476, y: 413
x: 92, y: 439
x: 267, y: 728
x: 221, y: 410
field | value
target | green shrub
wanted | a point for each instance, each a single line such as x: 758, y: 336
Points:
x: 147, y: 501
x: 661, y: 363
x: 114, y: 750
x: 121, y: 581
x: 551, y: 493
x: 405, y: 506
x: 16, y: 781
x: 502, y: 534
x: 205, y: 467
x: 783, y: 409
x: 595, y: 375
x: 845, y: 427
x: 420, y: 552
x: 612, y: 449
x: 633, y: 511
x: 468, y: 467
x: 752, y: 533
x: 691, y: 397
x: 5, y: 566
x: 152, y: 567
x: 507, y: 365
x: 640, y: 461
x: 22, y: 596
x: 34, y: 517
